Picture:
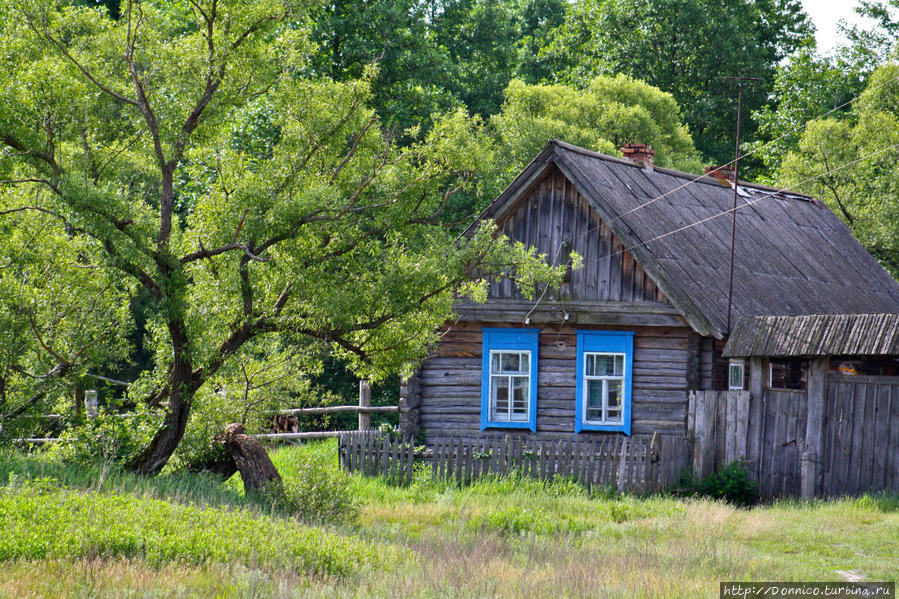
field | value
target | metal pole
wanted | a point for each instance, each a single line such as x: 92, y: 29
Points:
x: 733, y: 230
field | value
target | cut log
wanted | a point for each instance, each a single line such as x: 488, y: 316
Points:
x: 252, y: 461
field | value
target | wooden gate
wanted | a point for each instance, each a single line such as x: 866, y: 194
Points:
x: 861, y: 435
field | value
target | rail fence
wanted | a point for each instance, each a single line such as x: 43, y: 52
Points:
x: 625, y: 464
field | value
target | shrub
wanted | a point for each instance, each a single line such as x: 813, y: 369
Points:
x: 317, y: 491
x: 732, y: 484
x: 107, y: 438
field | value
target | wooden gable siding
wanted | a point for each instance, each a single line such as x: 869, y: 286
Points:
x: 553, y: 212
x: 451, y: 382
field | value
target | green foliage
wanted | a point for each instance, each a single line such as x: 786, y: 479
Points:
x: 44, y: 521
x: 58, y: 319
x: 316, y: 490
x: 685, y: 49
x: 432, y: 56
x: 609, y: 112
x: 851, y: 166
x: 258, y: 206
x: 110, y: 437
x: 732, y: 484
x: 805, y: 87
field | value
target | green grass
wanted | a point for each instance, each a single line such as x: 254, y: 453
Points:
x: 190, y: 536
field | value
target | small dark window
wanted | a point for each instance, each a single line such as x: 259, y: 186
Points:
x: 788, y: 374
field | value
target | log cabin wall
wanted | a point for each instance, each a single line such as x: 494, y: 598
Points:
x: 552, y: 213
x: 451, y: 382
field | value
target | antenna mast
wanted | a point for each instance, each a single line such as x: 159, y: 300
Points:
x: 741, y: 81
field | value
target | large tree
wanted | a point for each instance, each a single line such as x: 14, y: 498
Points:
x: 686, y: 48
x: 187, y: 147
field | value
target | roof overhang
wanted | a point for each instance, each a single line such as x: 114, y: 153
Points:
x: 815, y: 335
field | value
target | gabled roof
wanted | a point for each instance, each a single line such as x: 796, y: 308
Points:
x: 793, y: 255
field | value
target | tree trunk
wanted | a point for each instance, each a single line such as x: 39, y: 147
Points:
x: 156, y: 455
x: 252, y: 461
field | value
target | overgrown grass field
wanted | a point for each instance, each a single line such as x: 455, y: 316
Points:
x: 71, y: 531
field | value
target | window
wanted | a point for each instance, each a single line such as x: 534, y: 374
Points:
x: 604, y: 373
x: 788, y: 373
x: 735, y: 375
x: 509, y: 378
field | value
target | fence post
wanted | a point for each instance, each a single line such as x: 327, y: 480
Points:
x: 814, y: 428
x: 758, y: 380
x: 807, y: 471
x: 364, y: 402
x: 90, y: 403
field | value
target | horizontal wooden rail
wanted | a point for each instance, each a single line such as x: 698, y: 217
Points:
x: 299, y: 436
x: 336, y: 409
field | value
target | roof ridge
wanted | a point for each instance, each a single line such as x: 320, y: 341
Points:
x: 694, y: 177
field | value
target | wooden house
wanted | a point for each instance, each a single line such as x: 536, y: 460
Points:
x: 645, y: 321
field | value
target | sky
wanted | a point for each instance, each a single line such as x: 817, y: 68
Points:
x: 825, y: 14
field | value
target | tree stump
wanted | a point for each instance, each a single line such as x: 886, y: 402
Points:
x: 252, y: 461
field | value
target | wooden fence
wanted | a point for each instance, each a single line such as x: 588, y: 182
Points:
x: 372, y: 452
x: 857, y: 452
x: 636, y: 465
x: 861, y: 435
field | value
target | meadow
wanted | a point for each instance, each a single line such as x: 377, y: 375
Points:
x: 75, y: 531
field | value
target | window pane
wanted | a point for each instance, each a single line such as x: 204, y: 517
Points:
x: 594, y: 414
x: 619, y: 365
x: 525, y: 363
x: 736, y: 376
x: 614, y: 399
x: 494, y: 363
x: 499, y: 397
x: 520, y: 398
x: 594, y: 394
x: 509, y: 362
x: 605, y: 365
x: 589, y: 365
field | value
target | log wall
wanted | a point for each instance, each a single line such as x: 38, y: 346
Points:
x: 451, y: 382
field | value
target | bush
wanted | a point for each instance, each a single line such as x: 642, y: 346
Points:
x: 731, y: 484
x: 318, y: 491
x: 107, y: 438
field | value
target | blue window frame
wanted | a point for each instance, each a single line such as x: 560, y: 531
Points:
x: 509, y: 378
x: 604, y: 376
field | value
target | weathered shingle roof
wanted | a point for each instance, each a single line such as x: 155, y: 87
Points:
x: 815, y: 335
x: 793, y: 255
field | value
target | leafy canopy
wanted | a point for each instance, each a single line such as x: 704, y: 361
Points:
x: 186, y: 146
x: 685, y: 48
x: 851, y: 165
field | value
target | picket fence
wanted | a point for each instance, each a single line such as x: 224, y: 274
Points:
x: 635, y: 464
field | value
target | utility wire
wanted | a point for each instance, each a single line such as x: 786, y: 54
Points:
x: 752, y: 151
x: 767, y: 195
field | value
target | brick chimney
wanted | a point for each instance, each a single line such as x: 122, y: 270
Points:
x: 726, y: 172
x: 638, y: 153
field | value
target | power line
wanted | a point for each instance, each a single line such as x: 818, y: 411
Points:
x: 752, y: 151
x: 766, y: 196
x: 735, y: 184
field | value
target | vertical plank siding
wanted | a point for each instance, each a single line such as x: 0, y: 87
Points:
x: 553, y: 213
x: 631, y: 465
x: 451, y: 382
x: 861, y: 435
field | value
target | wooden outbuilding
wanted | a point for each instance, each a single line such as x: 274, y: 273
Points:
x: 620, y: 348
